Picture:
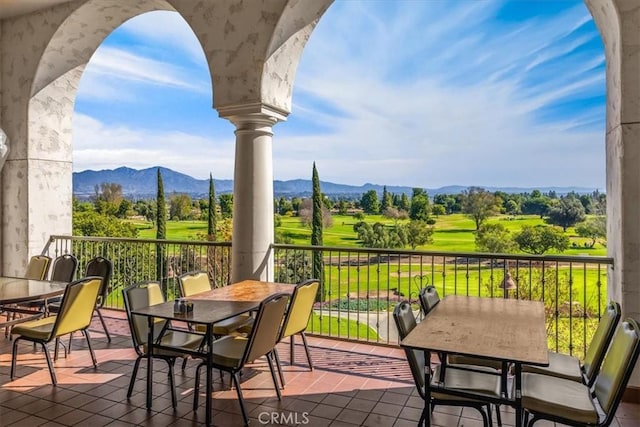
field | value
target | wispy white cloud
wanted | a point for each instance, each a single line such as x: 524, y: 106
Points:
x: 98, y: 146
x: 420, y: 93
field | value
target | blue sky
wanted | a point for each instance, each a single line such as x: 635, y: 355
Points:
x: 418, y: 93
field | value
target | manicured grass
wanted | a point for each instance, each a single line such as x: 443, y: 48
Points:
x: 452, y: 233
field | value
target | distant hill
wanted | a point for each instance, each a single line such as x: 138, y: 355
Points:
x: 142, y: 184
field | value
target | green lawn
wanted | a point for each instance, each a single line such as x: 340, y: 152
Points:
x: 453, y: 233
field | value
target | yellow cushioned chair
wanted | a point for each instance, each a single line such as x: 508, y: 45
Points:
x: 76, y: 310
x: 145, y: 294
x: 297, y: 319
x: 231, y: 353
x: 569, y: 367
x: 195, y: 282
x: 38, y: 267
x: 572, y: 403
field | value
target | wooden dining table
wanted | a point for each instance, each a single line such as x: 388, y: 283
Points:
x: 209, y: 307
x: 506, y: 330
x: 16, y: 290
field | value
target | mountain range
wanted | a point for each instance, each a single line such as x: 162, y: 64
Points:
x: 142, y: 184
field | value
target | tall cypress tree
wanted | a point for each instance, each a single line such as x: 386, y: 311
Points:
x: 316, y: 230
x: 161, y: 232
x: 211, y: 217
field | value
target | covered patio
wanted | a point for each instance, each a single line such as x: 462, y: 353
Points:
x: 352, y: 384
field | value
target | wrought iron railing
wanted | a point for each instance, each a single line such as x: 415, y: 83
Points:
x: 360, y: 286
x: 135, y: 260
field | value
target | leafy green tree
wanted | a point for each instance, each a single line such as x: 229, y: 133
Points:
x: 125, y: 209
x: 180, y: 206
x: 316, y: 229
x: 405, y: 203
x: 211, y: 211
x: 343, y: 207
x: 479, y: 205
x: 438, y: 210
x: 91, y: 223
x: 420, y: 209
x: 567, y: 213
x: 387, y: 200
x: 369, y: 202
x: 108, y: 197
x: 540, y: 239
x: 295, y: 204
x: 380, y: 236
x: 535, y: 204
x: 226, y: 205
x: 511, y: 207
x: 284, y: 206
x: 419, y: 233
x: 593, y: 228
x: 494, y: 238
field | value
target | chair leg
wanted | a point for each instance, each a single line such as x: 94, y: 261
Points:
x: 70, y: 338
x: 93, y: 355
x: 184, y: 363
x: 104, y: 325
x: 498, y: 416
x: 196, y: 387
x: 134, y: 374
x: 14, y: 356
x: 49, y: 363
x: 273, y: 375
x: 236, y: 381
x: 172, y: 385
x: 279, y: 366
x: 485, y: 420
x: 55, y: 350
x: 306, y: 349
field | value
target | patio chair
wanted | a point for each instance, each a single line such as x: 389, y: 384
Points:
x: 195, y: 282
x: 572, y: 403
x: 429, y: 298
x: 141, y: 295
x: 38, y: 267
x: 231, y: 353
x: 76, y: 310
x: 297, y: 319
x: 96, y: 267
x: 569, y: 367
x: 486, y: 383
x: 63, y: 270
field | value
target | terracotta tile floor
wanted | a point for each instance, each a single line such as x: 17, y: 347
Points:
x: 353, y: 384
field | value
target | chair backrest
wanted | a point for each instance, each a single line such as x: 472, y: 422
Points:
x: 266, y: 328
x: 405, y: 322
x: 101, y: 267
x: 64, y: 268
x: 38, y: 267
x: 429, y: 298
x: 193, y: 282
x: 140, y: 295
x: 617, y: 366
x: 76, y: 308
x: 601, y: 340
x: 300, y: 307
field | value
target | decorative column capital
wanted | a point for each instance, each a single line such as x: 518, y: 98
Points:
x: 252, y: 116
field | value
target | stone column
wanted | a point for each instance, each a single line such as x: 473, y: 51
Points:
x: 252, y: 256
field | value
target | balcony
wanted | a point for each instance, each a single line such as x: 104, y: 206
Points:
x: 352, y: 384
